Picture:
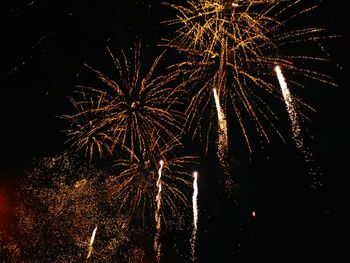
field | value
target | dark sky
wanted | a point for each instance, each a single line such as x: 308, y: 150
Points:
x: 45, y: 43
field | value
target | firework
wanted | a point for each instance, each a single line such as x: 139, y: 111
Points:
x: 91, y: 243
x: 222, y: 131
x: 313, y: 169
x: 157, y: 245
x: 125, y: 111
x: 195, y: 214
x: 135, y: 188
x: 231, y: 46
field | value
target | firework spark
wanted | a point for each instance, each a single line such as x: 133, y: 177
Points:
x: 91, y: 243
x: 157, y: 245
x: 296, y: 130
x: 231, y: 45
x: 125, y: 112
x: 195, y: 214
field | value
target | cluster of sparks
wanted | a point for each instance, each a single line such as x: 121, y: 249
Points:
x: 61, y: 203
x: 230, y: 47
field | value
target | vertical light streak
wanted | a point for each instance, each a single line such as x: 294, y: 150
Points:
x: 290, y: 107
x: 312, y: 167
x: 157, y: 245
x: 91, y: 243
x: 222, y: 134
x: 195, y: 214
x: 221, y: 115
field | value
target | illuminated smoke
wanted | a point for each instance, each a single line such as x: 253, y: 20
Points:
x: 157, y: 245
x: 195, y: 214
x: 313, y: 169
x: 91, y: 243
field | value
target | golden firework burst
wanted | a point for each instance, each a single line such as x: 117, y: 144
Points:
x: 134, y: 189
x: 125, y: 112
x: 232, y: 46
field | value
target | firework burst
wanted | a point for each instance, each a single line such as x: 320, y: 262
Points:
x: 125, y: 112
x: 135, y: 189
x: 232, y: 46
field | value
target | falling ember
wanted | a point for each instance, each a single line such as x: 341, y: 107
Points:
x: 222, y: 140
x: 309, y: 160
x: 195, y: 214
x: 91, y: 243
x: 157, y: 246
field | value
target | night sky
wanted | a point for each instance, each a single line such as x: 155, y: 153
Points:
x: 44, y: 46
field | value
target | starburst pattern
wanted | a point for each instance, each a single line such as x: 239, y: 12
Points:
x: 127, y: 111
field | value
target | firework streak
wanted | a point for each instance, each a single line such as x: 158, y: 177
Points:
x: 308, y: 157
x: 157, y: 245
x: 222, y: 134
x: 91, y: 243
x: 195, y: 214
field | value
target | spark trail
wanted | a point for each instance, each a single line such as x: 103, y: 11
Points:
x: 222, y: 134
x: 195, y: 214
x: 157, y: 245
x: 91, y: 243
x: 312, y: 167
x: 222, y: 143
